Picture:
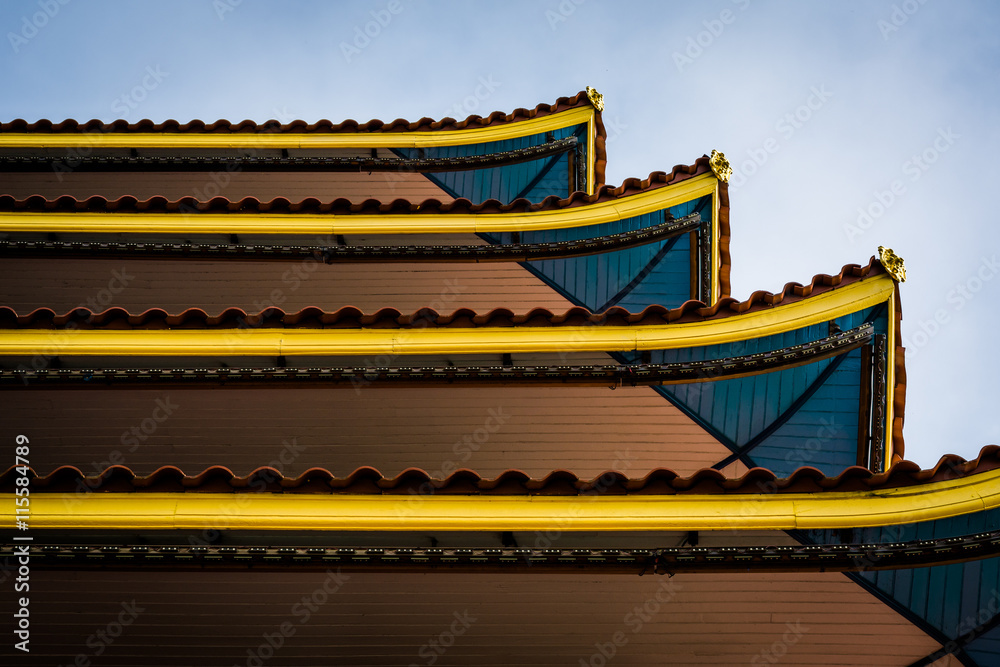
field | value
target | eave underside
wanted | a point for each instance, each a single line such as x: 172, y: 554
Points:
x: 390, y: 619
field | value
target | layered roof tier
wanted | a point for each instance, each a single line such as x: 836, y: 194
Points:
x: 250, y: 360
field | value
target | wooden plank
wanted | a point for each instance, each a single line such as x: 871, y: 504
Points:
x: 196, y: 618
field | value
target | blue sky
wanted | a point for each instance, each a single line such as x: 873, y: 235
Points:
x: 850, y: 124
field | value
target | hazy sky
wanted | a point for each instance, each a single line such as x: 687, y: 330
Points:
x: 850, y: 124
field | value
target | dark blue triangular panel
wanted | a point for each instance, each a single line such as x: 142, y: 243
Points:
x: 634, y: 278
x: 806, y: 415
x: 985, y: 649
x: 534, y: 179
x: 741, y: 408
x: 823, y: 433
x: 953, y: 599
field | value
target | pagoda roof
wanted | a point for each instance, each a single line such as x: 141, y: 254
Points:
x: 222, y: 126
x: 800, y: 336
x: 735, y: 385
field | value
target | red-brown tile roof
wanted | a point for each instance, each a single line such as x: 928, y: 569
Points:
x: 297, y: 126
x: 350, y: 317
x: 344, y: 206
x: 325, y: 126
x: 662, y: 481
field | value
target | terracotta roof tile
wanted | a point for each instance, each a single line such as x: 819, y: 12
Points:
x: 323, y: 126
x: 223, y: 126
x: 350, y: 317
x: 218, y: 479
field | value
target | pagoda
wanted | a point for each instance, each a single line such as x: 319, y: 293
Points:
x: 433, y: 393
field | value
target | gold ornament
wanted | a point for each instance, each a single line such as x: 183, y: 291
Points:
x: 595, y: 98
x: 720, y: 166
x: 892, y: 263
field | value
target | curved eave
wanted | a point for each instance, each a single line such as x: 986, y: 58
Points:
x: 815, y: 309
x: 507, y: 128
x: 857, y: 509
x: 612, y: 210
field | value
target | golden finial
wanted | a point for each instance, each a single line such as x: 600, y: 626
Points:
x: 595, y: 98
x: 892, y: 263
x: 720, y: 166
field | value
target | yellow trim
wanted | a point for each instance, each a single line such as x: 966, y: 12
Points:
x: 591, y: 155
x: 804, y: 511
x: 416, y: 223
x: 422, y: 139
x: 430, y: 340
x: 716, y: 250
x: 890, y: 379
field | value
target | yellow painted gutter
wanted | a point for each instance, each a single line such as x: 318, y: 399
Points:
x: 430, y: 340
x: 197, y: 511
x: 378, y: 223
x: 424, y: 139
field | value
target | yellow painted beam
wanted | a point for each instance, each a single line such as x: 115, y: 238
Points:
x: 251, y: 511
x: 392, y: 223
x: 430, y: 340
x: 261, y: 140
